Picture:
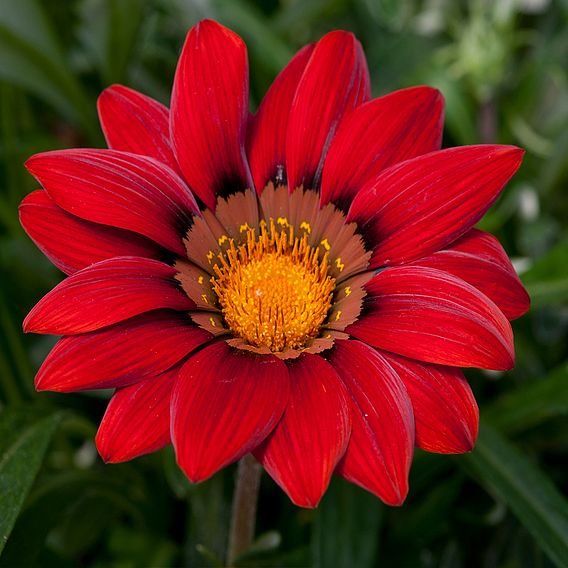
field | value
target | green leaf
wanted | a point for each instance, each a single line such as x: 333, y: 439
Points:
x: 547, y: 280
x: 460, y: 114
x: 13, y: 337
x: 295, y: 558
x: 132, y: 547
x: 268, y: 52
x: 32, y: 58
x: 263, y: 548
x: 84, y: 523
x: 270, y: 540
x: 23, y: 443
x: 430, y: 517
x: 207, y: 531
x: 27, y: 20
x: 304, y: 12
x: 110, y: 30
x: 346, y: 528
x: 531, y: 404
x: 271, y: 51
x: 56, y: 509
x: 528, y: 492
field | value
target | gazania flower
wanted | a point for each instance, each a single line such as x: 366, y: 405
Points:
x: 303, y: 283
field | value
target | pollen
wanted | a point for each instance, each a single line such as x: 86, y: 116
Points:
x: 274, y: 289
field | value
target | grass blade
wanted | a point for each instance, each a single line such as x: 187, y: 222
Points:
x: 532, y: 497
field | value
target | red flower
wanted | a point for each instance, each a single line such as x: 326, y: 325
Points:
x: 302, y: 284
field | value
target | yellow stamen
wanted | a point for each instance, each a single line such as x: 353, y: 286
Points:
x: 274, y: 290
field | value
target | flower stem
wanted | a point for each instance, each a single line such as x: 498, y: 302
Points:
x: 243, y: 516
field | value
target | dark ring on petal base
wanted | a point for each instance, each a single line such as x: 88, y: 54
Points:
x: 275, y: 274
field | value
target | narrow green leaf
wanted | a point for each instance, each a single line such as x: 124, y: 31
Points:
x: 22, y: 449
x: 527, y: 491
x: 346, y: 527
x: 305, y: 12
x: 14, y: 339
x: 546, y: 280
x: 267, y: 541
x: 206, y: 529
x: 109, y: 30
x: 126, y: 18
x: 531, y: 404
x: 430, y: 517
x: 270, y: 50
x: 548, y: 293
x: 264, y: 548
x: 31, y: 57
x: 24, y: 65
x: 52, y: 505
x: 460, y: 116
x: 27, y: 19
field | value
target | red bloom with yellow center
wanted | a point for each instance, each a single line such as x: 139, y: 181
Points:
x: 303, y: 284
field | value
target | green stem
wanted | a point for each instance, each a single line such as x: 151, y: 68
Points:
x: 243, y: 516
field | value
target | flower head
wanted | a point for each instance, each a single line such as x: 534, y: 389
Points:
x: 303, y: 284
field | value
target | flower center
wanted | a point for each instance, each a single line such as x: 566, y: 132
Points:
x: 274, y: 290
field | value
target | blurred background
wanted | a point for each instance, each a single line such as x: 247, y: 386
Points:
x: 503, y: 69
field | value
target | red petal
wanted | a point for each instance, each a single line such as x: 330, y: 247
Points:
x: 422, y: 205
x: 311, y: 438
x: 225, y: 402
x: 335, y: 81
x: 266, y: 134
x: 105, y: 293
x: 380, y: 451
x: 209, y: 111
x: 72, y: 243
x: 432, y: 316
x: 125, y: 353
x: 135, y: 123
x: 137, y: 419
x: 445, y: 410
x: 379, y: 134
x: 479, y: 259
x: 118, y: 189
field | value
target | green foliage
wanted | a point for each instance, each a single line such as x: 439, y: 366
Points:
x: 24, y: 441
x: 547, y: 279
x: 532, y: 497
x: 345, y: 527
x: 502, y: 69
x: 32, y: 58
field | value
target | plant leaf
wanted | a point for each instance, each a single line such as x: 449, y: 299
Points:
x: 346, y: 527
x: 109, y: 31
x: 547, y: 280
x: 206, y: 537
x: 528, y: 492
x: 32, y: 58
x: 55, y: 508
x: 530, y: 404
x: 22, y: 449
